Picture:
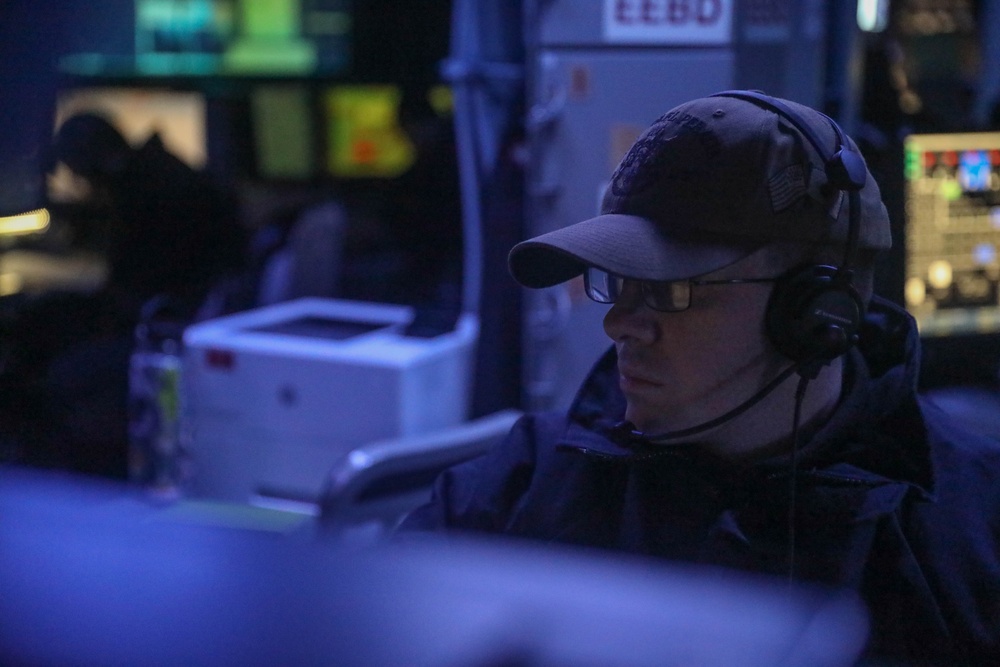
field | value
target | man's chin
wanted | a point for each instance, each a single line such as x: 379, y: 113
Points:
x: 651, y: 420
x: 645, y: 422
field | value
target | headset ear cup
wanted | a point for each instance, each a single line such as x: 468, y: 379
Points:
x: 813, y: 314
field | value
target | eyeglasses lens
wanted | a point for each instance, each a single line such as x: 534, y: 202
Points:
x: 604, y: 287
x: 601, y: 286
x: 667, y: 296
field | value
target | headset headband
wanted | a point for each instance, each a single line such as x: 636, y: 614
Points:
x: 844, y: 167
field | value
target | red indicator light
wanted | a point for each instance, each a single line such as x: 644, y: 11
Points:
x: 220, y: 359
x: 950, y: 158
x: 995, y: 157
x: 365, y: 151
x: 929, y: 160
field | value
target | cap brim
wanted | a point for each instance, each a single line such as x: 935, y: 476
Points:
x: 626, y: 245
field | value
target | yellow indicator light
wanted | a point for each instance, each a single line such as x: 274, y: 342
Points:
x: 916, y: 292
x: 951, y: 190
x: 939, y: 274
x: 31, y: 222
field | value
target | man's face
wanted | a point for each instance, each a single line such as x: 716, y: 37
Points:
x: 683, y: 368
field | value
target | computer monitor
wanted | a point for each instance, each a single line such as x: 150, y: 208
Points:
x: 952, y: 240
x: 303, y: 132
x: 951, y: 255
x: 284, y: 137
x: 138, y: 111
x: 92, y: 574
x: 243, y: 37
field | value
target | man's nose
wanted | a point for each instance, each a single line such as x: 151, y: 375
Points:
x: 630, y: 317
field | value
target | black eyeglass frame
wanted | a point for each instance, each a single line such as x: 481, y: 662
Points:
x: 649, y: 288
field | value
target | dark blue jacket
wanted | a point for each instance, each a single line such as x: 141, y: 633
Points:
x: 892, y: 500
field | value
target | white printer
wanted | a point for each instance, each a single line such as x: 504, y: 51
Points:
x: 274, y: 396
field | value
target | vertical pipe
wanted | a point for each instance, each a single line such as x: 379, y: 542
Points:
x: 988, y: 94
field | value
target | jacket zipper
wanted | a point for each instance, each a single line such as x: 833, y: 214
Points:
x: 828, y: 477
x: 621, y: 458
x: 815, y: 474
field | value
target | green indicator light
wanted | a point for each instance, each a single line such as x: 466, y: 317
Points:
x: 912, y: 165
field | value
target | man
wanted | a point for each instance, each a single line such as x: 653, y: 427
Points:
x: 174, y: 232
x: 758, y: 408
x: 173, y: 235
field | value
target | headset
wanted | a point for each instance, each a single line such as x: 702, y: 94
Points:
x: 815, y: 313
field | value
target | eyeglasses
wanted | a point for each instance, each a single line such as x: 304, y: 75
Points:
x: 668, y: 296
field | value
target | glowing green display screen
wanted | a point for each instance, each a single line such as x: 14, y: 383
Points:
x: 251, y: 37
x: 953, y: 232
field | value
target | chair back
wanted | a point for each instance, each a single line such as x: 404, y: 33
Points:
x: 379, y: 483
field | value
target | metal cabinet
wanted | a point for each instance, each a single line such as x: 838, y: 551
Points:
x: 599, y: 72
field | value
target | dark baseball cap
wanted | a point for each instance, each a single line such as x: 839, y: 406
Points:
x: 708, y: 183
